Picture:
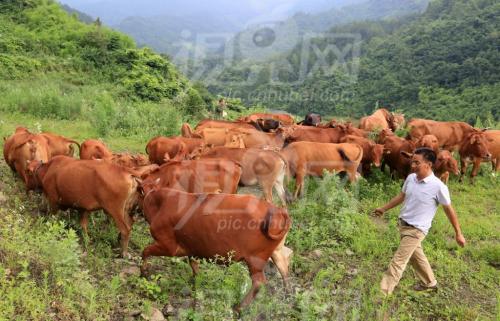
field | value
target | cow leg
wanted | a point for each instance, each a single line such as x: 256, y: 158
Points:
x: 258, y: 279
x: 475, y: 169
x: 267, y: 188
x: 195, y: 266
x: 281, y: 258
x: 123, y: 222
x: 84, y: 221
x: 155, y: 249
x: 299, y: 181
x: 463, y: 169
x: 445, y: 177
x: 279, y: 185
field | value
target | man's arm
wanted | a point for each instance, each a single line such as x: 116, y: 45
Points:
x: 392, y: 203
x: 452, y: 216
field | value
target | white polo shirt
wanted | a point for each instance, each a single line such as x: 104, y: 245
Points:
x: 422, y: 199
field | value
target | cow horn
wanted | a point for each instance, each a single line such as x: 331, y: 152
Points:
x: 406, y: 154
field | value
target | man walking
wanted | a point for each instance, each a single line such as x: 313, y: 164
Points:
x: 422, y: 193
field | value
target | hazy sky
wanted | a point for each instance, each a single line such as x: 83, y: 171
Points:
x: 113, y: 11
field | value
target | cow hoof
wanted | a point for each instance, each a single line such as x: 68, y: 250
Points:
x: 237, y: 311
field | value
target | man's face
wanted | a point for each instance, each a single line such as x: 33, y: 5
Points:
x: 419, y: 165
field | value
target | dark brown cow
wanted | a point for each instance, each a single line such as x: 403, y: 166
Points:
x: 449, y: 134
x: 380, y: 119
x: 60, y: 145
x: 89, y: 185
x: 399, y: 165
x: 313, y: 134
x: 263, y: 167
x: 198, y: 176
x: 161, y: 149
x: 429, y: 141
x: 94, y: 149
x: 445, y: 163
x: 285, y: 119
x: 266, y: 125
x: 474, y: 145
x: 239, y: 227
x: 311, y: 119
x: 372, y: 153
x: 308, y: 158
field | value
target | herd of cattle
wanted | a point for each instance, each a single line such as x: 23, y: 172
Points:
x: 186, y: 185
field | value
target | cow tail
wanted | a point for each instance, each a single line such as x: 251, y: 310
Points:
x: 276, y: 223
x: 343, y: 155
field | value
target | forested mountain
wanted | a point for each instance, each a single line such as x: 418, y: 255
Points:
x: 442, y: 64
x: 81, y: 16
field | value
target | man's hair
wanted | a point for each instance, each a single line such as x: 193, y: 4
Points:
x: 427, y: 153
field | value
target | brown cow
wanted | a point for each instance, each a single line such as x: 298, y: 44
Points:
x: 161, y: 149
x: 399, y: 121
x: 285, y: 119
x: 313, y: 134
x: 429, y: 141
x: 18, y: 137
x: 129, y: 160
x: 474, y: 145
x: 263, y: 167
x: 383, y: 134
x: 449, y: 134
x: 380, y: 119
x: 223, y: 226
x: 399, y: 165
x: 372, y: 153
x: 493, y: 138
x: 94, y: 149
x: 89, y: 185
x: 256, y: 139
x: 445, y: 163
x: 209, y: 123
x: 349, y: 129
x: 60, y: 145
x: 32, y: 147
x: 198, y: 176
x: 308, y: 158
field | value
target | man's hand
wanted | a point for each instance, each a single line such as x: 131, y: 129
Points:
x: 460, y: 240
x: 378, y: 211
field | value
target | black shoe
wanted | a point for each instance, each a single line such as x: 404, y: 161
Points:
x: 421, y: 287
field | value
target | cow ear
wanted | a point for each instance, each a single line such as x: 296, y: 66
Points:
x: 407, y: 155
x: 473, y: 139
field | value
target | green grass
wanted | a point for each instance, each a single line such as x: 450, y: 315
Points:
x: 340, y: 253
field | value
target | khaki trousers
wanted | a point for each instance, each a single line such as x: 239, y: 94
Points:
x: 410, y: 250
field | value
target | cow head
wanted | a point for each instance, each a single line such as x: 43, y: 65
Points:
x: 32, y: 176
x: 445, y: 162
x: 382, y: 135
x: 476, y: 145
x: 378, y: 153
x: 398, y: 121
x: 429, y: 141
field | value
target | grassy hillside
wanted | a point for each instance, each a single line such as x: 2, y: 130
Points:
x: 340, y: 253
x: 52, y: 65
